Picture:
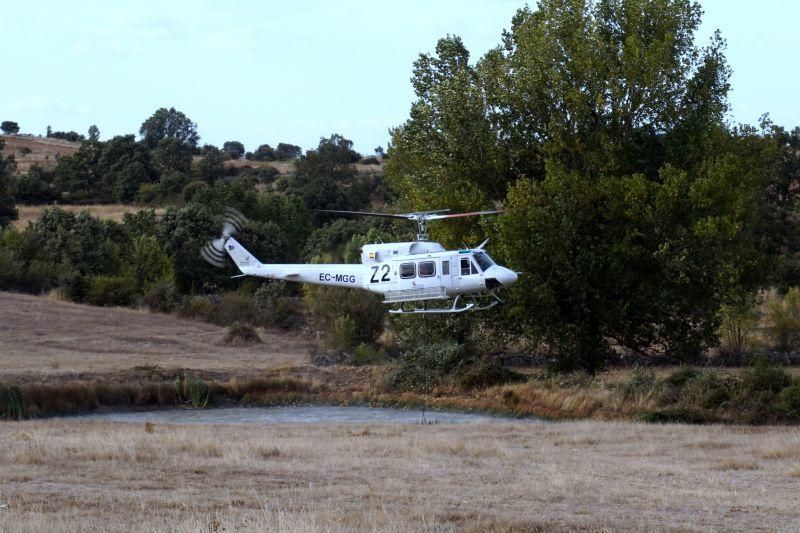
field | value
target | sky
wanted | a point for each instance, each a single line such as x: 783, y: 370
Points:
x: 264, y: 72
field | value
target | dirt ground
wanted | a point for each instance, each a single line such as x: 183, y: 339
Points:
x: 42, y: 338
x: 516, y: 476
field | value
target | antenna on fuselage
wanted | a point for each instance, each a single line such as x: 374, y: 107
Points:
x: 420, y: 217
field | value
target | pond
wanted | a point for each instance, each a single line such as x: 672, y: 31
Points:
x: 294, y: 415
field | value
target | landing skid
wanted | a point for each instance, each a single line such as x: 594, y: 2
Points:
x: 474, y: 305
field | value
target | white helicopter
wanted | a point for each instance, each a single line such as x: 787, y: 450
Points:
x: 419, y: 272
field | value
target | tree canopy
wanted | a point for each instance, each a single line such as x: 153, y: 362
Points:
x: 169, y: 123
x: 601, y: 126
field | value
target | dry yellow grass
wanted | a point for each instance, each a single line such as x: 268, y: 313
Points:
x: 42, y: 337
x: 62, y: 475
x: 115, y: 212
x: 28, y: 151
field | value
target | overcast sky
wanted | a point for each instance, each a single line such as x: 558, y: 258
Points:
x: 269, y: 72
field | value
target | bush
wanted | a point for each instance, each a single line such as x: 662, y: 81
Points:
x: 738, y: 323
x: 426, y: 365
x: 11, y: 403
x: 366, y: 354
x: 783, y: 319
x: 112, y: 290
x: 679, y: 378
x: 234, y: 307
x: 162, y: 297
x: 193, y: 189
x: 709, y: 390
x: 765, y: 377
x: 239, y: 334
x: 371, y: 160
x: 196, y: 307
x: 642, y: 381
x: 194, y: 391
x: 351, y: 317
x: 274, y: 308
x: 489, y: 373
x: 790, y: 396
x: 681, y: 415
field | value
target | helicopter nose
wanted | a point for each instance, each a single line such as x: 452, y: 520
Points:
x: 497, y: 277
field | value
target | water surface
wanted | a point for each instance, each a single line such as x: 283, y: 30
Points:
x: 294, y: 415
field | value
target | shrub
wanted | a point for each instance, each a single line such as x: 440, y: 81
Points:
x: 366, y: 354
x: 194, y: 188
x: 783, y: 319
x: 489, y: 373
x: 765, y: 377
x: 351, y: 317
x: 681, y: 415
x: 709, y: 390
x: 274, y: 308
x: 11, y: 403
x: 790, y: 396
x: 642, y: 381
x: 196, y: 307
x: 162, y: 297
x: 234, y: 307
x: 680, y: 377
x: 738, y: 323
x: 426, y: 365
x: 112, y: 290
x: 74, y: 286
x: 194, y: 391
x: 371, y: 160
x: 240, y: 333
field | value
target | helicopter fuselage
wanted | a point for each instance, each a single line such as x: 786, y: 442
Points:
x: 400, y: 271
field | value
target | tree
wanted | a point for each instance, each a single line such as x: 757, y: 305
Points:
x: 94, y: 133
x: 211, y: 166
x: 264, y: 153
x: 124, y: 166
x: 9, y: 127
x: 71, y: 136
x: 49, y: 132
x: 601, y: 124
x: 285, y: 151
x: 8, y: 211
x: 234, y: 149
x: 168, y: 123
x: 171, y: 155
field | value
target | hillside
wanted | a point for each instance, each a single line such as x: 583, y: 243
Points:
x: 40, y: 151
x: 44, y: 337
x: 43, y: 151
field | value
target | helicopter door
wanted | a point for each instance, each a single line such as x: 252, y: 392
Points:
x: 469, y: 277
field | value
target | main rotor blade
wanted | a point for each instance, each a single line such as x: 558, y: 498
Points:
x: 458, y: 215
x: 367, y: 213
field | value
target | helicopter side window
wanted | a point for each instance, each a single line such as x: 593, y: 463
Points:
x: 465, y: 266
x: 408, y: 270
x: 427, y: 269
x: 446, y: 267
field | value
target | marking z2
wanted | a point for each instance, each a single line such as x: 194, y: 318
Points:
x: 384, y: 278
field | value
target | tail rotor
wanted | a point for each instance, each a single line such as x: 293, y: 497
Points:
x: 214, y: 251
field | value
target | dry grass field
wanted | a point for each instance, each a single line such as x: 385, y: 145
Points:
x: 45, y: 338
x: 28, y: 151
x: 115, y: 212
x: 70, y: 476
x: 62, y: 474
